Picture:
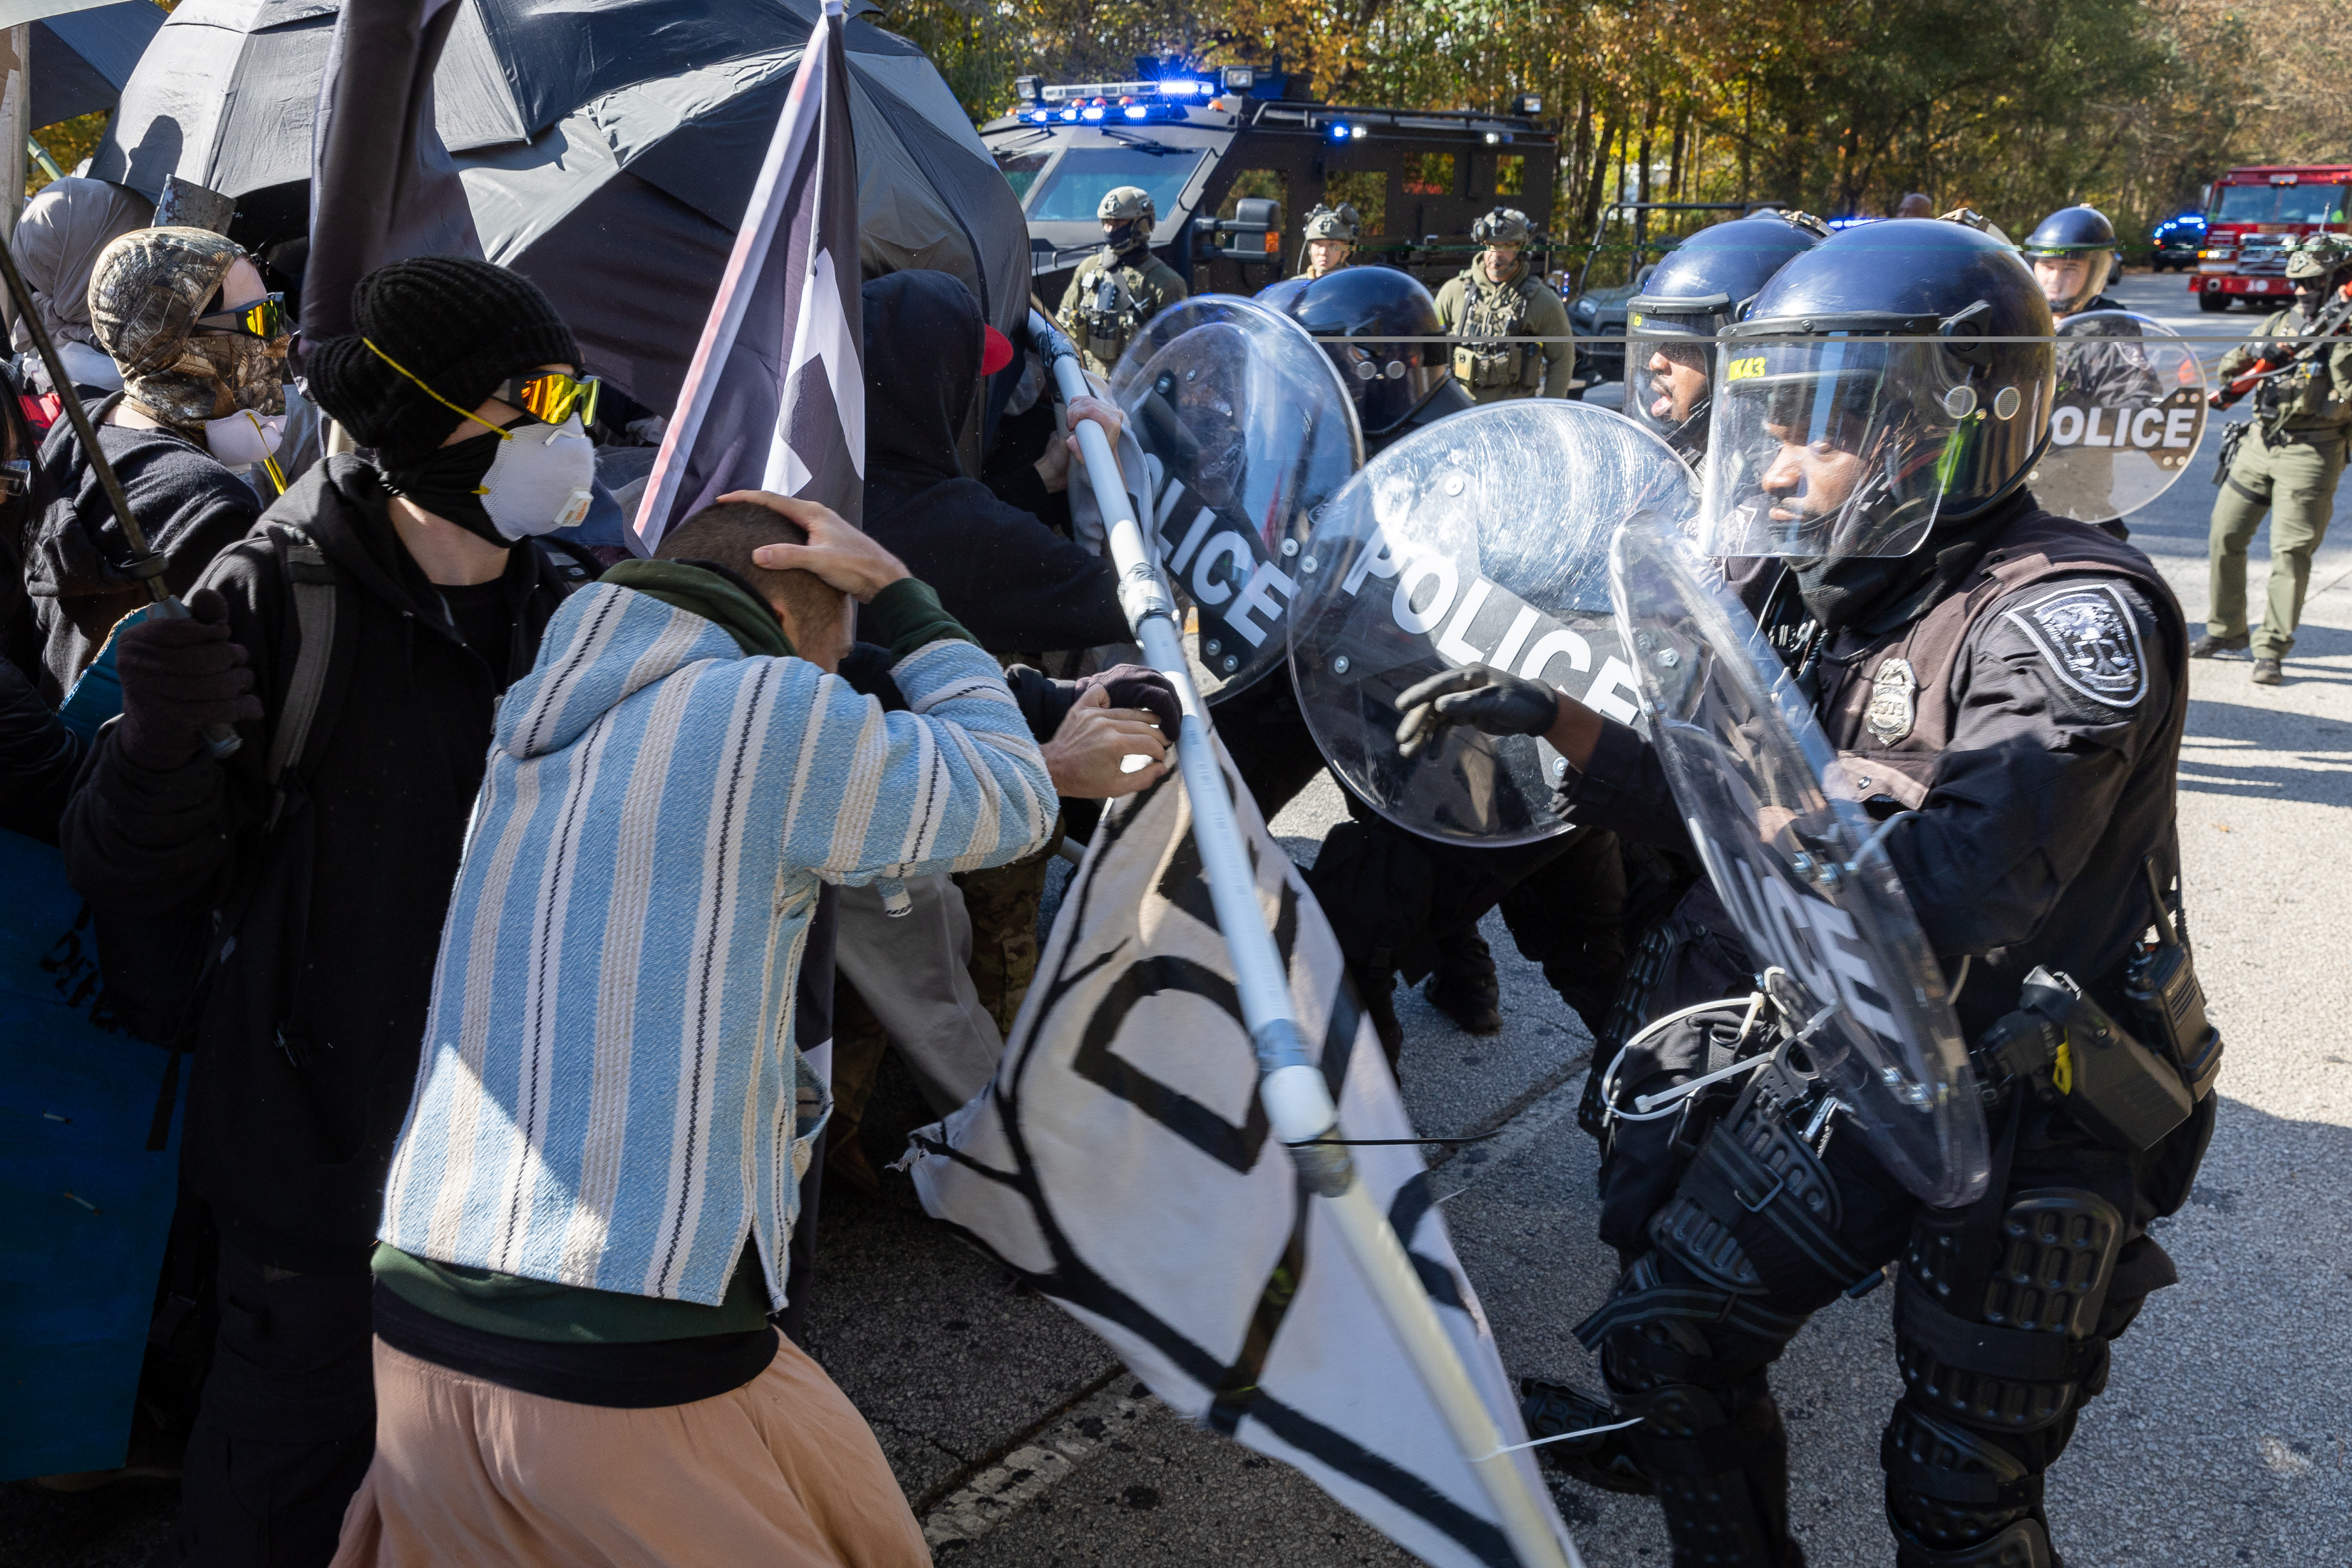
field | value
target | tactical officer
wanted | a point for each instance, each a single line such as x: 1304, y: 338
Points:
x: 1121, y: 286
x: 2014, y: 683
x: 1698, y: 290
x: 1495, y: 298
x: 1331, y: 236
x: 2075, y: 258
x: 2287, y: 458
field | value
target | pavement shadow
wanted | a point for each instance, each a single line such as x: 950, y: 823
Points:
x: 2303, y: 758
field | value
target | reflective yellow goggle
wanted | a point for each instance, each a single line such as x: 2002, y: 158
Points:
x: 266, y: 317
x: 551, y: 396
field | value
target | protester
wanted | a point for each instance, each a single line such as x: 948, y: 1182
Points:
x: 588, y: 1210
x: 202, y: 351
x: 59, y: 237
x: 333, y: 885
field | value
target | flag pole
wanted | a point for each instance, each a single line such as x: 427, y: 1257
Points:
x: 1298, y: 1102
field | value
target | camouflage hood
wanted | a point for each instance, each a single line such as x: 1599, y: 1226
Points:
x: 145, y: 293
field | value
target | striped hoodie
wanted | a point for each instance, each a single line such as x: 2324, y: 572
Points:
x: 608, y: 1089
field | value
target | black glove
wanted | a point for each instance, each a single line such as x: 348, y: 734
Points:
x: 1134, y: 686
x: 179, y: 674
x: 1478, y: 695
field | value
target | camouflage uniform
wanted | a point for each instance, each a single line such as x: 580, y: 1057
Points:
x: 1521, y: 306
x: 1002, y: 903
x: 2291, y: 475
x: 1116, y: 291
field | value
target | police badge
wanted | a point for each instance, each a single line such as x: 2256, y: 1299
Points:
x: 1891, y: 710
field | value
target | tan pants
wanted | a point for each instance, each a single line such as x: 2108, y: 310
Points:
x: 783, y: 1472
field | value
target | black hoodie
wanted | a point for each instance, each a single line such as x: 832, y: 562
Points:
x: 1001, y: 570
x: 189, y: 506
x: 308, y: 1044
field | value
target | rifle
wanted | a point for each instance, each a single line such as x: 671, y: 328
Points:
x: 2331, y: 323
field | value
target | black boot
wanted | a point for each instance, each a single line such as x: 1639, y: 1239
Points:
x: 1552, y: 1409
x: 1465, y: 988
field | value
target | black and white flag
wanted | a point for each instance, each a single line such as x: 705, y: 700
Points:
x: 1122, y: 1163
x: 776, y: 398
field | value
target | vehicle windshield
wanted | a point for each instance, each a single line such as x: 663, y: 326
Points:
x: 2278, y: 204
x: 1086, y: 175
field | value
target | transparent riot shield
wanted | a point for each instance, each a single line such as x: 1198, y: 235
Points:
x: 1792, y: 853
x: 2130, y: 413
x: 1246, y: 433
x: 1483, y: 539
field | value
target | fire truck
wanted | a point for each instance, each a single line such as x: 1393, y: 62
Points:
x: 1235, y: 157
x: 2252, y: 216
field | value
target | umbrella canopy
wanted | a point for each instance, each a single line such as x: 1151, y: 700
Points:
x: 608, y: 149
x: 82, y: 58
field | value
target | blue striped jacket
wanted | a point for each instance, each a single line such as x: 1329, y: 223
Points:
x: 608, y: 1089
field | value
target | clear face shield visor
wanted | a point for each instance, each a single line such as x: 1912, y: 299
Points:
x: 2070, y: 279
x: 1839, y: 447
x: 1669, y: 374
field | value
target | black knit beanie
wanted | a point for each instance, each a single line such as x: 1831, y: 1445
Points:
x: 459, y: 325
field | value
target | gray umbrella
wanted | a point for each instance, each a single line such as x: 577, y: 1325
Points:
x: 608, y: 150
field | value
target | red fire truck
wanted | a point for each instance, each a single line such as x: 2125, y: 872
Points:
x: 2252, y: 216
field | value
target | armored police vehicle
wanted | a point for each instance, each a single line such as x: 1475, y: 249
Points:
x: 1235, y: 158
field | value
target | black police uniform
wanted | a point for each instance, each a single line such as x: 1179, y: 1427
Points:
x: 2035, y: 771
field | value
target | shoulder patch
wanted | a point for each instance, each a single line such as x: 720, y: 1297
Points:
x: 2090, y: 638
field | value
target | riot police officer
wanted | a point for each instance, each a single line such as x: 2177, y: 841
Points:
x: 2285, y: 461
x: 2015, y: 684
x: 1121, y: 286
x: 2075, y: 257
x: 1496, y: 297
x: 1331, y: 237
x: 1698, y: 289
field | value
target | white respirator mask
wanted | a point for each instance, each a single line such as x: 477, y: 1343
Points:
x: 541, y: 480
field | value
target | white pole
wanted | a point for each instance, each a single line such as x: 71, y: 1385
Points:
x: 1297, y: 1104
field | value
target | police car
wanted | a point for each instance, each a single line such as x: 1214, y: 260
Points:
x: 1234, y: 157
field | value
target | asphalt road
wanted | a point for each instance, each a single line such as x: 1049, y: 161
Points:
x: 2221, y: 1438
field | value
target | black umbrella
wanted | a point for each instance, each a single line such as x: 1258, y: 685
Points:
x: 82, y: 58
x: 608, y: 150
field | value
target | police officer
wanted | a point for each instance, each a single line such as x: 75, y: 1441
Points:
x: 1331, y: 236
x: 1496, y: 296
x: 1121, y: 286
x: 2032, y: 824
x: 2075, y: 257
x: 2286, y: 460
x: 1698, y: 289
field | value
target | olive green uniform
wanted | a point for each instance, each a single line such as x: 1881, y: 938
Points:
x: 2291, y: 476
x: 1145, y: 285
x: 1524, y: 306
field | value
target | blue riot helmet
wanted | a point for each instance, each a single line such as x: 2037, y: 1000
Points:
x: 2072, y: 252
x: 1692, y: 295
x: 1389, y: 380
x: 1897, y: 374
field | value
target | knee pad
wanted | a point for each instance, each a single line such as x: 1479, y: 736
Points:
x: 1949, y: 1488
x: 1758, y: 1212
x: 2024, y: 1544
x: 1660, y: 1328
x: 2015, y: 1349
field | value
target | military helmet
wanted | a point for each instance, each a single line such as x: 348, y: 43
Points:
x: 1900, y: 372
x: 2318, y: 256
x: 1388, y: 380
x: 1341, y: 222
x: 1698, y: 289
x: 1504, y: 226
x: 2071, y: 231
x: 1124, y: 201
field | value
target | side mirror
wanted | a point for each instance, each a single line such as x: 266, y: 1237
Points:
x: 1253, y: 234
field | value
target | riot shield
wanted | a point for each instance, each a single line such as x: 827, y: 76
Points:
x: 1482, y: 539
x: 1777, y: 822
x: 1246, y: 433
x: 2130, y: 413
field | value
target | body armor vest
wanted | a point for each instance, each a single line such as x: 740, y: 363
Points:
x: 1496, y: 311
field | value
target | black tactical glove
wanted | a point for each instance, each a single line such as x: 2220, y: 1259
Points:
x: 179, y: 674
x: 1134, y: 686
x: 1479, y: 695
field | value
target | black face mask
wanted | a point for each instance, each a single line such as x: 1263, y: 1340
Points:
x: 1122, y: 237
x: 448, y: 484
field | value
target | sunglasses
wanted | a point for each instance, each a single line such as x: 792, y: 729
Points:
x: 266, y: 317
x: 551, y: 396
